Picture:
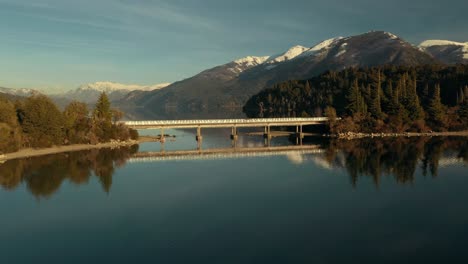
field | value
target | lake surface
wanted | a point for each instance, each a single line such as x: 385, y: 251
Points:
x: 363, y: 201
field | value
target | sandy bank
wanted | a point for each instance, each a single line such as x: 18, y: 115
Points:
x: 26, y: 153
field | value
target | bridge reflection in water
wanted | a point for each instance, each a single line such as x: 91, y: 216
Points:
x: 224, y: 153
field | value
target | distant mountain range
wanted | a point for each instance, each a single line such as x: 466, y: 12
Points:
x: 89, y: 93
x: 21, y: 92
x: 223, y: 90
x: 226, y: 88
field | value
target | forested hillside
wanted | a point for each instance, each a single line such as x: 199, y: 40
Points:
x: 376, y: 99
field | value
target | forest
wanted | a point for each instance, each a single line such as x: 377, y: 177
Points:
x: 374, y: 99
x: 36, y: 122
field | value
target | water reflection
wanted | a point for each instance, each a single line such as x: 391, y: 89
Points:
x: 395, y: 157
x: 43, y: 176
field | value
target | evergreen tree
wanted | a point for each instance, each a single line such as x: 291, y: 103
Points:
x: 375, y: 104
x: 356, y: 103
x: 436, y: 109
x: 415, y: 111
x: 103, y: 119
x: 102, y: 110
x: 307, y: 89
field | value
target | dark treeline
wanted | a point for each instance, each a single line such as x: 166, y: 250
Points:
x: 37, y: 122
x: 43, y: 176
x: 395, y: 157
x: 378, y: 99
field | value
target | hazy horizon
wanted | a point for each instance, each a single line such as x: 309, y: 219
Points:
x: 54, y: 45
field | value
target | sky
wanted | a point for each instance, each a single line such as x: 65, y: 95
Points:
x: 57, y: 45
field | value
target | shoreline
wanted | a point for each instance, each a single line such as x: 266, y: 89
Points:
x: 354, y: 135
x: 30, y: 152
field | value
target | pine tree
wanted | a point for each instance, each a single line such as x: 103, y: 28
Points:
x: 103, y: 119
x: 375, y: 104
x: 307, y: 89
x: 102, y: 110
x: 436, y: 110
x: 356, y: 103
x: 415, y: 111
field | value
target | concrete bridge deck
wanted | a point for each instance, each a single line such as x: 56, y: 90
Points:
x: 213, y: 123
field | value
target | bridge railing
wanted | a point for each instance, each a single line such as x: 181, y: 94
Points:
x: 225, y: 121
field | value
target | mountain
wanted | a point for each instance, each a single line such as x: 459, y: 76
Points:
x: 89, y: 93
x: 198, y: 92
x: 288, y: 55
x: 449, y: 52
x: 20, y: 92
x: 225, y: 89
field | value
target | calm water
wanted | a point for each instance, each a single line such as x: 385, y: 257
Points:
x: 367, y: 201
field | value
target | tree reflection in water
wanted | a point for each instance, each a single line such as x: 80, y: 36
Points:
x: 397, y: 157
x: 44, y: 175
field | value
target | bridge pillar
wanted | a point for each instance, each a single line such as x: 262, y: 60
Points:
x: 198, y: 137
x: 267, y: 133
x: 162, y: 138
x: 299, y: 135
x: 234, y: 135
x: 267, y: 136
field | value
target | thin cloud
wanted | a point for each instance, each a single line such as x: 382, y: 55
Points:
x: 169, y: 14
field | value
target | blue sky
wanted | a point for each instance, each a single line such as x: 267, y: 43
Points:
x: 57, y: 45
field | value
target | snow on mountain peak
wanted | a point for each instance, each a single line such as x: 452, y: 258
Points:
x: 251, y: 60
x: 322, y: 46
x: 391, y: 36
x: 437, y: 42
x: 19, y: 91
x: 326, y: 44
x: 288, y: 55
x: 112, y: 87
x: 247, y: 63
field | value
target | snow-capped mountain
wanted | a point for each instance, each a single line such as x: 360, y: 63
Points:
x: 89, y: 93
x: 112, y: 87
x: 320, y: 47
x: 240, y: 65
x: 230, y: 85
x: 288, y: 55
x: 447, y: 51
x: 23, y: 92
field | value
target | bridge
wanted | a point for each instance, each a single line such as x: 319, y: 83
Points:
x: 234, y: 124
x: 213, y: 123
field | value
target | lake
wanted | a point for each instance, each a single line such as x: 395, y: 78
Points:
x: 395, y: 200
